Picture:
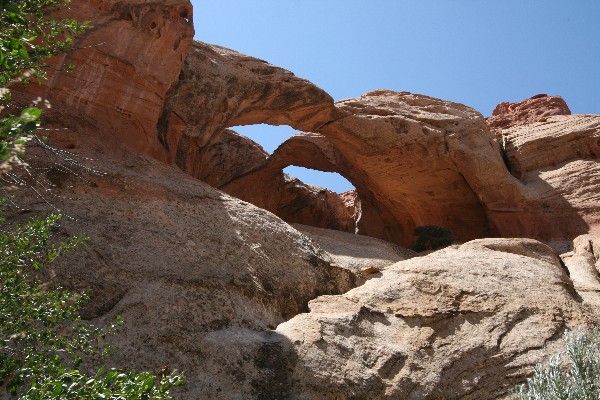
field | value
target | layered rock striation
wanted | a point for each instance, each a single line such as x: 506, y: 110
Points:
x: 125, y: 66
x: 251, y: 307
x: 535, y: 109
x: 414, y: 160
x: 558, y: 163
x: 462, y: 323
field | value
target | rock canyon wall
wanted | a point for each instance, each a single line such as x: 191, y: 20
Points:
x: 251, y: 307
x: 414, y: 160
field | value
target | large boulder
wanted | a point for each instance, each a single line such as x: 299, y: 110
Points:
x: 188, y: 267
x: 365, y: 256
x: 467, y: 322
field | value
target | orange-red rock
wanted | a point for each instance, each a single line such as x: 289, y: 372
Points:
x: 124, y: 67
x: 558, y: 163
x: 221, y: 88
x: 534, y: 109
x: 414, y: 160
x: 423, y: 161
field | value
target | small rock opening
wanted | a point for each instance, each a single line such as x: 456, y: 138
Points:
x: 327, y: 180
x: 268, y: 136
x: 295, y: 193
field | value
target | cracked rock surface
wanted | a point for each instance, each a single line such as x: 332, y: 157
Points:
x: 467, y: 322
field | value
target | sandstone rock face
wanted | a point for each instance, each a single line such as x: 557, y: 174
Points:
x: 414, y: 160
x: 125, y: 66
x: 534, y: 109
x: 242, y: 168
x: 547, y: 144
x: 225, y: 157
x: 295, y: 202
x: 237, y: 90
x: 423, y: 161
x: 557, y: 162
x: 464, y: 323
x: 584, y: 268
x: 202, y: 279
x: 364, y: 256
x: 189, y: 268
x: 216, y: 287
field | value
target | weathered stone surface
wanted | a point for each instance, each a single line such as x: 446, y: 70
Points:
x: 125, y: 66
x: 363, y: 255
x: 416, y: 160
x: 189, y: 268
x: 534, y: 109
x: 241, y: 168
x: 315, y: 206
x: 221, y: 88
x: 557, y: 162
x: 556, y: 140
x: 584, y: 269
x: 466, y: 322
x: 225, y: 157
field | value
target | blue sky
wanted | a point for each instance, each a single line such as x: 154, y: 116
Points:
x: 475, y: 52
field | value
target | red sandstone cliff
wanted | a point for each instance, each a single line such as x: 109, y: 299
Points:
x: 414, y: 160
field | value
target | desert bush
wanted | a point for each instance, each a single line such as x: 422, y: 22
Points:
x: 577, y: 378
x: 431, y: 237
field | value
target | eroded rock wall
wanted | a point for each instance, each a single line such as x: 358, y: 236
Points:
x: 125, y: 65
x: 558, y: 163
x: 426, y: 162
x: 535, y: 109
x: 413, y: 160
x: 199, y: 277
x: 220, y: 88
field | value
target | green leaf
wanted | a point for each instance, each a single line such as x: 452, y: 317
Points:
x: 58, y: 388
x: 31, y: 114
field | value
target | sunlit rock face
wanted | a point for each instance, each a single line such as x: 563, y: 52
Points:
x: 200, y: 278
x: 465, y: 322
x: 250, y: 307
x: 558, y: 162
x: 534, y: 109
x: 220, y: 88
x: 413, y: 160
x: 424, y: 161
x: 124, y: 67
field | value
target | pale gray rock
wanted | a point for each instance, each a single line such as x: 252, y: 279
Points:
x: 465, y: 322
x: 199, y: 277
x: 583, y: 263
x: 364, y: 256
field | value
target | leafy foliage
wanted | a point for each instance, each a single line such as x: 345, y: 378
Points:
x: 29, y: 35
x: 431, y: 237
x: 43, y: 342
x: 579, y: 380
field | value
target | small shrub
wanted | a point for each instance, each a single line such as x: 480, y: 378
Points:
x: 431, y: 237
x: 579, y: 379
